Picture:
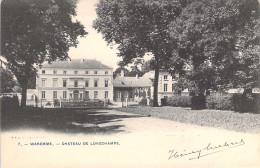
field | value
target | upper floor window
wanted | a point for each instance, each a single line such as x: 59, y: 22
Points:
x: 106, y: 72
x: 55, y: 82
x: 95, y: 83
x: 165, y: 77
x: 54, y: 71
x: 75, y: 83
x: 86, y: 72
x: 106, y: 83
x: 95, y: 72
x: 75, y: 72
x: 43, y: 82
x: 43, y: 71
x: 64, y: 83
x: 64, y: 72
x: 165, y: 87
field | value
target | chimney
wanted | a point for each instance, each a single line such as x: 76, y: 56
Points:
x: 136, y: 76
x: 122, y: 73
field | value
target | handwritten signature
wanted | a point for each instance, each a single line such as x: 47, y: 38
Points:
x: 208, y: 150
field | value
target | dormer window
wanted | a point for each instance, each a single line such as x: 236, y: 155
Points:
x: 43, y: 71
x: 54, y: 71
x: 64, y: 72
x: 106, y: 72
x: 95, y: 72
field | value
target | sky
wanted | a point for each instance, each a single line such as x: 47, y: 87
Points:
x: 92, y: 46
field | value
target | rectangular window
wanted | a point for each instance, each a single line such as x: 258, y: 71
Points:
x: 165, y: 86
x: 64, y: 94
x: 43, y: 94
x: 86, y: 72
x: 64, y: 83
x: 95, y: 72
x: 86, y: 94
x: 64, y: 72
x: 54, y: 71
x: 172, y: 87
x: 106, y: 83
x: 55, y: 94
x: 75, y: 72
x: 106, y: 94
x: 95, y: 94
x: 106, y: 72
x: 55, y: 82
x: 43, y: 71
x: 43, y: 82
x: 75, y: 83
x: 165, y: 77
x: 95, y: 83
x: 86, y: 83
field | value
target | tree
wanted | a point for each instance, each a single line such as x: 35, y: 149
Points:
x: 34, y: 31
x: 219, y: 38
x: 7, y: 81
x: 139, y: 27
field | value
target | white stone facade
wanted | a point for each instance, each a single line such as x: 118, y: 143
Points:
x: 165, y: 84
x: 75, y: 81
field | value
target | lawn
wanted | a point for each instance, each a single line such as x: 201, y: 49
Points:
x: 240, y: 122
x: 63, y: 120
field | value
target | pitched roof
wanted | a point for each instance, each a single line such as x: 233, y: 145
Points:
x: 77, y: 64
x: 130, y: 82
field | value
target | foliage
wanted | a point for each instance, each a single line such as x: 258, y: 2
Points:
x: 34, y: 31
x: 8, y: 105
x: 139, y: 27
x: 7, y: 81
x: 237, y: 102
x: 220, y: 102
x: 179, y: 101
x: 219, y: 39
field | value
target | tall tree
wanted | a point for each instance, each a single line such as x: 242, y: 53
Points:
x: 220, y: 38
x: 139, y: 27
x: 34, y: 31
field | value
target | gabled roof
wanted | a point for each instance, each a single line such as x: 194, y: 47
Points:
x: 131, y: 82
x: 77, y: 64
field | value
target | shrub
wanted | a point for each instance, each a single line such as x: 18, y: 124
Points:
x: 143, y: 102
x: 179, y: 101
x: 220, y: 102
x: 198, y: 102
x: 236, y: 102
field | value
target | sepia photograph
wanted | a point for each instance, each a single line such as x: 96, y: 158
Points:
x: 130, y: 83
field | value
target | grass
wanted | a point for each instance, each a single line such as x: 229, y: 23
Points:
x: 63, y: 120
x: 234, y: 121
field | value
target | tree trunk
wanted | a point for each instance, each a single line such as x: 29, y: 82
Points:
x: 155, y: 84
x: 24, y: 94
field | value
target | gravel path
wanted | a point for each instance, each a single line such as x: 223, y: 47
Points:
x: 240, y: 122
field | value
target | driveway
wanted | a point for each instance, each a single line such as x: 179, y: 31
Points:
x: 135, y: 142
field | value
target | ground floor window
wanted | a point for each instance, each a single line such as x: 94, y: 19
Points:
x: 106, y: 94
x: 55, y: 94
x: 95, y: 94
x: 76, y: 94
x: 64, y: 94
x: 86, y: 94
x: 43, y: 94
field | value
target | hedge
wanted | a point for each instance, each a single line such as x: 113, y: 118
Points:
x: 179, y: 101
x: 234, y: 102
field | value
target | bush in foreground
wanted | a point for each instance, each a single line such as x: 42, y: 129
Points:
x: 179, y: 101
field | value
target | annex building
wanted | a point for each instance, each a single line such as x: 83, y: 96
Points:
x: 74, y: 80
